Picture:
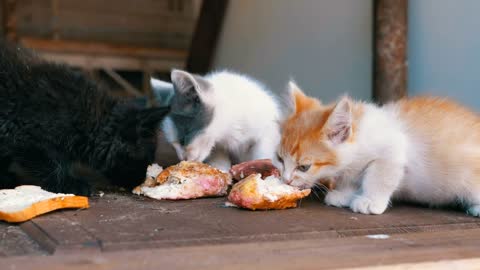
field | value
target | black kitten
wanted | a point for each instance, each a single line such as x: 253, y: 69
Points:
x: 59, y: 131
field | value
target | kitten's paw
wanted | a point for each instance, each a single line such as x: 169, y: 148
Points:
x: 196, y: 154
x: 474, y: 211
x: 365, y: 205
x: 338, y: 198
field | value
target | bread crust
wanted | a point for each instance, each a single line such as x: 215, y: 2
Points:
x: 43, y: 207
x: 245, y: 194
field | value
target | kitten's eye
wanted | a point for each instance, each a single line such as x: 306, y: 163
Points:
x: 304, y: 168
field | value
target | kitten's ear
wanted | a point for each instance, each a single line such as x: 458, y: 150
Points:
x: 162, y: 91
x: 299, y: 101
x: 188, y: 84
x: 339, y: 124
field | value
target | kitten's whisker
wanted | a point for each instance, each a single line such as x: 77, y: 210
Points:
x: 322, y: 188
x: 316, y: 194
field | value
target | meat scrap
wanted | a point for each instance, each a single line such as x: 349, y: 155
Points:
x: 264, y: 167
x: 186, y: 180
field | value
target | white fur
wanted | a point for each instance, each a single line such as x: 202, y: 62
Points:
x: 158, y: 84
x: 379, y: 155
x: 389, y: 159
x: 245, y: 122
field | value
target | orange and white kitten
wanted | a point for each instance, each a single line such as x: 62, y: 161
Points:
x: 423, y: 150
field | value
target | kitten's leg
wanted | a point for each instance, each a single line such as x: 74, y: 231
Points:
x: 52, y: 172
x: 200, y: 148
x: 65, y: 180
x: 342, y: 195
x: 220, y: 160
x: 381, y: 179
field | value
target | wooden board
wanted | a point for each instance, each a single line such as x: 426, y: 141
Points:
x: 159, y: 23
x: 133, y: 222
x: 121, y: 230
x: 99, y: 48
x: 59, y: 234
x: 390, y: 50
x: 424, y: 250
x: 113, y: 62
x: 15, y: 242
x: 94, y: 55
x: 207, y: 31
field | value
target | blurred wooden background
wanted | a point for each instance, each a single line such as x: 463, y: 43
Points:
x: 121, y: 42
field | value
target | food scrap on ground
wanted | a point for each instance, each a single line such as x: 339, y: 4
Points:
x: 186, y: 180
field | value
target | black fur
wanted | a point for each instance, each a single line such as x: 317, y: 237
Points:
x: 59, y: 131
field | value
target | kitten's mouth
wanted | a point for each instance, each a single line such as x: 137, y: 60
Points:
x: 299, y: 186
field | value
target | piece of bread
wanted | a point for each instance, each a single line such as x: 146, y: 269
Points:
x: 186, y: 180
x: 255, y: 193
x: 26, y: 202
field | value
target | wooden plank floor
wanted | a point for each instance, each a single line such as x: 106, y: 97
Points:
x: 120, y: 231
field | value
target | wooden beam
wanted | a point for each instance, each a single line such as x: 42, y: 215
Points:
x: 9, y: 19
x: 122, y: 82
x: 54, y: 19
x: 114, y: 62
x: 455, y: 249
x: 93, y: 55
x: 2, y: 18
x: 390, y: 50
x: 206, y: 34
x: 100, y: 48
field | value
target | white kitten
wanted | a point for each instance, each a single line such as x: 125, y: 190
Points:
x: 423, y: 150
x: 222, y: 118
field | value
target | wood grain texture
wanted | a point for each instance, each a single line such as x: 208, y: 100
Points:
x: 100, y: 48
x: 390, y: 50
x: 58, y: 234
x: 129, y: 222
x: 124, y: 231
x: 113, y: 62
x: 98, y: 55
x: 143, y: 23
x: 43, y: 207
x: 441, y: 264
x: 416, y: 250
x: 3, y: 22
x: 9, y: 8
x: 15, y: 242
